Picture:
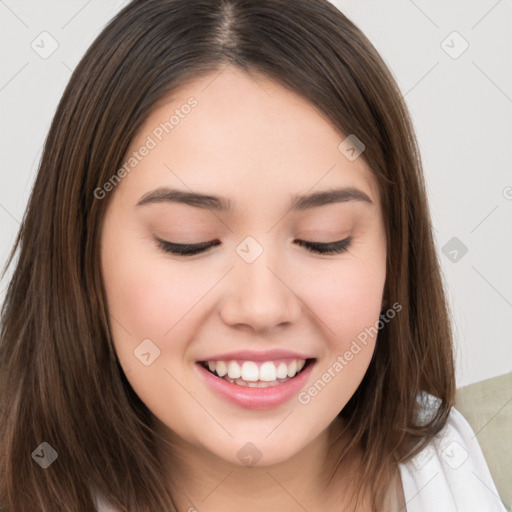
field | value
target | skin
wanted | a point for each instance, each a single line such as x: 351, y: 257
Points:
x: 257, y: 143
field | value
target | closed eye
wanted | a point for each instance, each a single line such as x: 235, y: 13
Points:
x: 185, y: 249
x: 336, y: 247
x: 327, y: 248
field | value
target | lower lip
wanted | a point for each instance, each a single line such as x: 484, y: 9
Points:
x: 256, y: 398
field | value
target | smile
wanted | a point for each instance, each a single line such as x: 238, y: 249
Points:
x: 256, y: 385
x: 256, y: 374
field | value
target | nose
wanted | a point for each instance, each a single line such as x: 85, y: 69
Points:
x: 259, y: 296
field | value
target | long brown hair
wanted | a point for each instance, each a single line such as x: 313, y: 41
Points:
x: 60, y: 380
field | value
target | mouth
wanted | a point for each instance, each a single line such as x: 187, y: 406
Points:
x: 257, y: 375
x: 253, y: 385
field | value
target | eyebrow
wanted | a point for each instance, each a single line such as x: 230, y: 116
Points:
x: 220, y: 203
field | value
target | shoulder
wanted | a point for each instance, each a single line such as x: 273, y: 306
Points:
x: 450, y: 473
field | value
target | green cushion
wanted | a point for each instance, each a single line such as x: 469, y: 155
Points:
x: 487, y: 406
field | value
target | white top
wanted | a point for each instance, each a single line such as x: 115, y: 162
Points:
x: 449, y: 475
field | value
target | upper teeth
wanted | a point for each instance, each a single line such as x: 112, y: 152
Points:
x: 249, y: 370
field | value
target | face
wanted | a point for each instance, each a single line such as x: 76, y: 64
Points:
x: 255, y: 288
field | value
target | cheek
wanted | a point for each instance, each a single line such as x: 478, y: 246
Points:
x: 146, y: 303
x: 143, y: 294
x: 140, y: 302
x: 347, y: 299
x: 149, y: 298
x: 348, y: 303
x: 136, y: 297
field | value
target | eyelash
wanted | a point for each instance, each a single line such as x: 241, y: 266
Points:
x: 337, y: 247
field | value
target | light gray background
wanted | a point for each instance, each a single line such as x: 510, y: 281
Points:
x: 461, y: 109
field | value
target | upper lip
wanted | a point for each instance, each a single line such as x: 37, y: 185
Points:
x: 250, y: 355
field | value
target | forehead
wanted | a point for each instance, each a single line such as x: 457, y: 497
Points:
x: 246, y: 135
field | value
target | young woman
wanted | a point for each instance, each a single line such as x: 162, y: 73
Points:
x: 227, y: 295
